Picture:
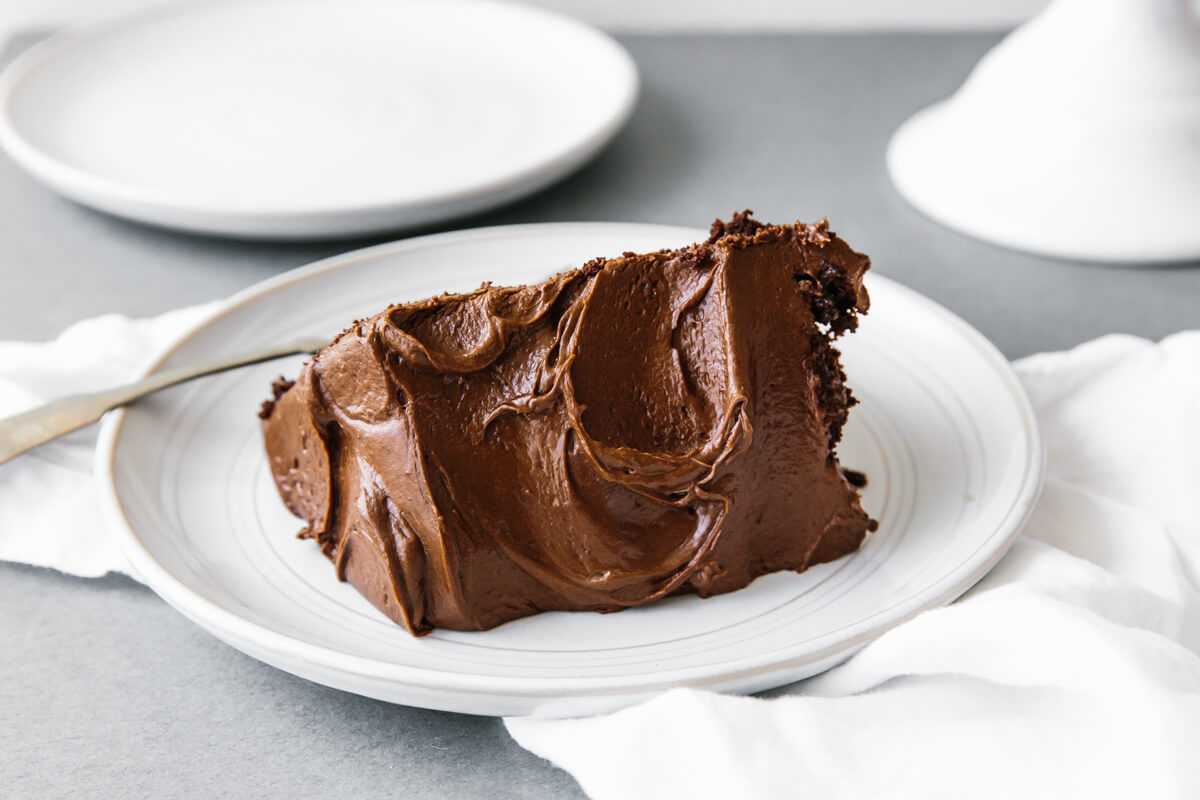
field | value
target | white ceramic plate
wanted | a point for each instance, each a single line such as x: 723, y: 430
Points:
x: 309, y: 118
x: 944, y: 432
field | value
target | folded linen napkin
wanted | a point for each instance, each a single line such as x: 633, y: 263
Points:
x: 1071, y: 670
x: 49, y: 512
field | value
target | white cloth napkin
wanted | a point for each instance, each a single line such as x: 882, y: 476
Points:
x: 49, y: 512
x: 1071, y: 670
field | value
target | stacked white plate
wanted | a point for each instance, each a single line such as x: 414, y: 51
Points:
x: 312, y: 118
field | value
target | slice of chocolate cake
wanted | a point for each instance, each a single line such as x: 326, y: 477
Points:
x: 640, y: 427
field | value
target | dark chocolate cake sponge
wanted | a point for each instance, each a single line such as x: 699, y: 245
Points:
x: 643, y: 426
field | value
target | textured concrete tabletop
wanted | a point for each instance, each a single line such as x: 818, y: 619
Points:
x: 106, y: 691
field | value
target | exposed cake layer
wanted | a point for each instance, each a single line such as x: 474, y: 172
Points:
x: 642, y: 426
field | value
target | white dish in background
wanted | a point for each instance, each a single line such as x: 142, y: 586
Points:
x: 1077, y: 137
x: 943, y: 431
x: 307, y: 119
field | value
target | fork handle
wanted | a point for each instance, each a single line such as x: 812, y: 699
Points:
x: 37, y: 426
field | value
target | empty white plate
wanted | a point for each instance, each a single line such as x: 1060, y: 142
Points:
x: 943, y: 431
x: 313, y: 118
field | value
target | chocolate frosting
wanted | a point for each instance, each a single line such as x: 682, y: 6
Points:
x: 643, y: 426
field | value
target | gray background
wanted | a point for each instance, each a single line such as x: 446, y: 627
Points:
x: 105, y: 690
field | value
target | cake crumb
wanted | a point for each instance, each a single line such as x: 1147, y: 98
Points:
x: 742, y: 224
x: 592, y: 267
x: 855, y: 478
x: 279, y: 388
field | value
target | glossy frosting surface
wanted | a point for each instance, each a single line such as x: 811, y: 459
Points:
x: 642, y: 426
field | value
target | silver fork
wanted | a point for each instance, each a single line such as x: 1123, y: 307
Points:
x: 37, y: 426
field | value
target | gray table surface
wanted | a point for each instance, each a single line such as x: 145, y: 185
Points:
x: 105, y: 690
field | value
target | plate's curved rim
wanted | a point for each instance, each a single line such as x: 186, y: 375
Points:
x: 113, y: 195
x: 222, y: 622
